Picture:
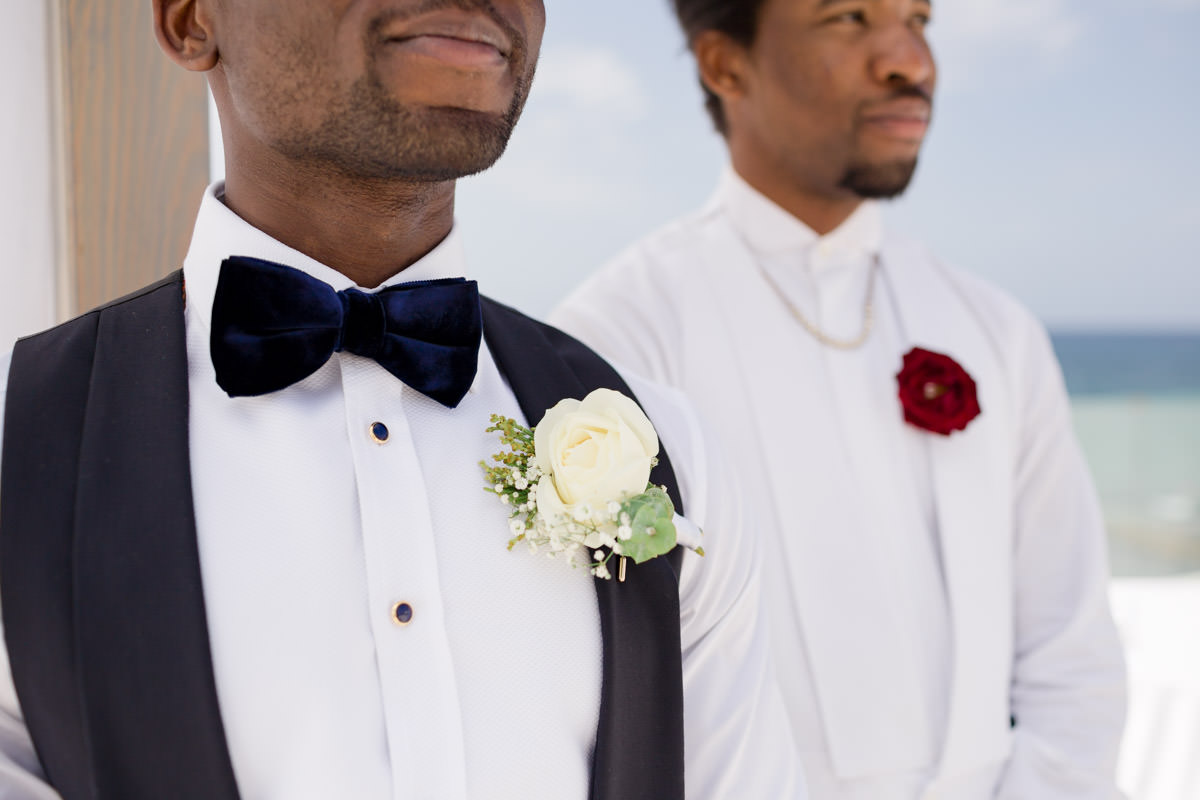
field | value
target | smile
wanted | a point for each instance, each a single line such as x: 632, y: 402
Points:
x: 461, y: 39
x: 902, y: 119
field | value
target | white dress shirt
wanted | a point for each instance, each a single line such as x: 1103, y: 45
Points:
x: 310, y: 530
x: 891, y: 594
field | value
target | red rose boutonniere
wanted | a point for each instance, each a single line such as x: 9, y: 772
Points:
x: 936, y: 393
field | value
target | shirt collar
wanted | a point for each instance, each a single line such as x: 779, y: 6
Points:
x: 769, y: 230
x: 220, y: 233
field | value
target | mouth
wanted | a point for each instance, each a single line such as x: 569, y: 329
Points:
x: 903, y: 118
x: 470, y: 41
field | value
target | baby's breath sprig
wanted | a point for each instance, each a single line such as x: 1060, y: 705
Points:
x: 512, y: 477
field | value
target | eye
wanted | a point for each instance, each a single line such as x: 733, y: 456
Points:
x: 921, y: 19
x: 849, y: 17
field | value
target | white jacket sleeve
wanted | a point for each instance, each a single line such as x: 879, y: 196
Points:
x: 1068, y: 688
x: 639, y: 336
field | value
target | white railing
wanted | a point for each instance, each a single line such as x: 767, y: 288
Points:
x: 1159, y: 620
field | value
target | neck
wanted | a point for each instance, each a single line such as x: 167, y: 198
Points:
x: 822, y: 211
x: 367, y: 230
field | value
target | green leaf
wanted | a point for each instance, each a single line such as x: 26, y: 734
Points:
x: 651, y: 516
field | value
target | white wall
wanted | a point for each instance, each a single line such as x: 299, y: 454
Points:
x: 27, y: 212
x: 216, y: 148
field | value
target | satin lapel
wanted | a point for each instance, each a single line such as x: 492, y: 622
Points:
x: 47, y: 391
x: 152, y: 713
x: 836, y: 579
x: 639, y: 740
x: 972, y: 473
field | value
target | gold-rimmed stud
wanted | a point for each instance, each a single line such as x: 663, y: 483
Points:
x: 402, y: 613
x: 379, y: 432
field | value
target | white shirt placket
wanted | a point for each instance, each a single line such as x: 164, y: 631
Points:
x: 416, y: 670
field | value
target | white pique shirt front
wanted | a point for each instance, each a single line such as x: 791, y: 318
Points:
x: 315, y: 523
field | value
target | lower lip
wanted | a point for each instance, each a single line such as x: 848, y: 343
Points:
x: 908, y: 128
x: 458, y: 53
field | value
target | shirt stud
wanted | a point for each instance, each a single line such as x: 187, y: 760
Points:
x: 379, y: 432
x: 402, y: 613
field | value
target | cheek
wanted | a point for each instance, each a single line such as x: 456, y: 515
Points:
x: 529, y: 18
x: 284, y: 48
x: 806, y: 89
x: 535, y: 26
x: 285, y: 81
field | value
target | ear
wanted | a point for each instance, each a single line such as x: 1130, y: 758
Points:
x: 184, y: 29
x: 722, y: 64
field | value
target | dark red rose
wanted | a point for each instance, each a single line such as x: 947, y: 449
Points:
x: 936, y: 393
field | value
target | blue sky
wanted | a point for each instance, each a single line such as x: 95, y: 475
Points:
x: 1063, y: 163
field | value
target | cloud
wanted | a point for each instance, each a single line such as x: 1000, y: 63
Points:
x: 585, y: 99
x: 1048, y: 26
x: 972, y: 37
x: 1185, y: 219
x: 590, y: 79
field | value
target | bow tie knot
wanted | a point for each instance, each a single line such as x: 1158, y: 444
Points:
x: 273, y: 326
x: 364, y: 323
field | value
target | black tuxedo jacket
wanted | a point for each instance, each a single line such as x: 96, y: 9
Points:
x: 102, y: 601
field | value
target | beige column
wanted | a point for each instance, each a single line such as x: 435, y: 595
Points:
x: 132, y: 150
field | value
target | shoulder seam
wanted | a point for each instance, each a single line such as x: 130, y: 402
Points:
x: 174, y: 277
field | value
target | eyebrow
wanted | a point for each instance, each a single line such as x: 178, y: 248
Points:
x: 822, y: 4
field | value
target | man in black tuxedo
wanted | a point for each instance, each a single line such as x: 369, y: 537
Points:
x: 244, y: 549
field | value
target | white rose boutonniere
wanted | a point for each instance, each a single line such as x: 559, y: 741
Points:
x: 578, y: 483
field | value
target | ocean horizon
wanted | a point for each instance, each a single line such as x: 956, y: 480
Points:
x: 1135, y: 401
x: 1120, y: 362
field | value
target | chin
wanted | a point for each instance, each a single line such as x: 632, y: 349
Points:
x: 879, y: 181
x: 385, y: 141
x: 452, y: 143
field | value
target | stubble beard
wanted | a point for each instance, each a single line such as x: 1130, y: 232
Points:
x: 369, y: 136
x: 878, y: 181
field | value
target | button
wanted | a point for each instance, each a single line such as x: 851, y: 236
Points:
x: 379, y: 432
x: 402, y: 614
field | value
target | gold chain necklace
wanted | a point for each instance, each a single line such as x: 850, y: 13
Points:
x: 821, y: 336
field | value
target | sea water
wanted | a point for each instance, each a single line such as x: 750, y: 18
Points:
x: 1136, y: 405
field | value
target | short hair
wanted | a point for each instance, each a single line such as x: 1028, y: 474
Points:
x: 737, y: 19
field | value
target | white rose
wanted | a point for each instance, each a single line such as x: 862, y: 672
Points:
x: 592, y: 452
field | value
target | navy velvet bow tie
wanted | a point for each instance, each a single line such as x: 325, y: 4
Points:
x: 273, y: 326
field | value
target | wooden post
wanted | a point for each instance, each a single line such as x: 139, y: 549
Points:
x: 132, y: 151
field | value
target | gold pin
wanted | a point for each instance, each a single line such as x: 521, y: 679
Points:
x: 621, y: 570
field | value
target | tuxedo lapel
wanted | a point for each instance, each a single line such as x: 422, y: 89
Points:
x: 151, y: 706
x: 47, y: 393
x: 972, y: 472
x: 639, y: 740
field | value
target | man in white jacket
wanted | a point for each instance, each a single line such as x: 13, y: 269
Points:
x: 245, y: 547
x: 936, y: 560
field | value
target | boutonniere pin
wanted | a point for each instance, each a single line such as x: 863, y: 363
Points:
x: 936, y: 393
x: 578, y: 483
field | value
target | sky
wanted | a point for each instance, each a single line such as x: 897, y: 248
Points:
x: 1062, y: 164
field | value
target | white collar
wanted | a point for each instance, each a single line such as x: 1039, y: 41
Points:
x: 770, y: 230
x: 220, y: 233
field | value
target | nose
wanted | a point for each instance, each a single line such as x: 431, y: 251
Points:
x: 902, y: 58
